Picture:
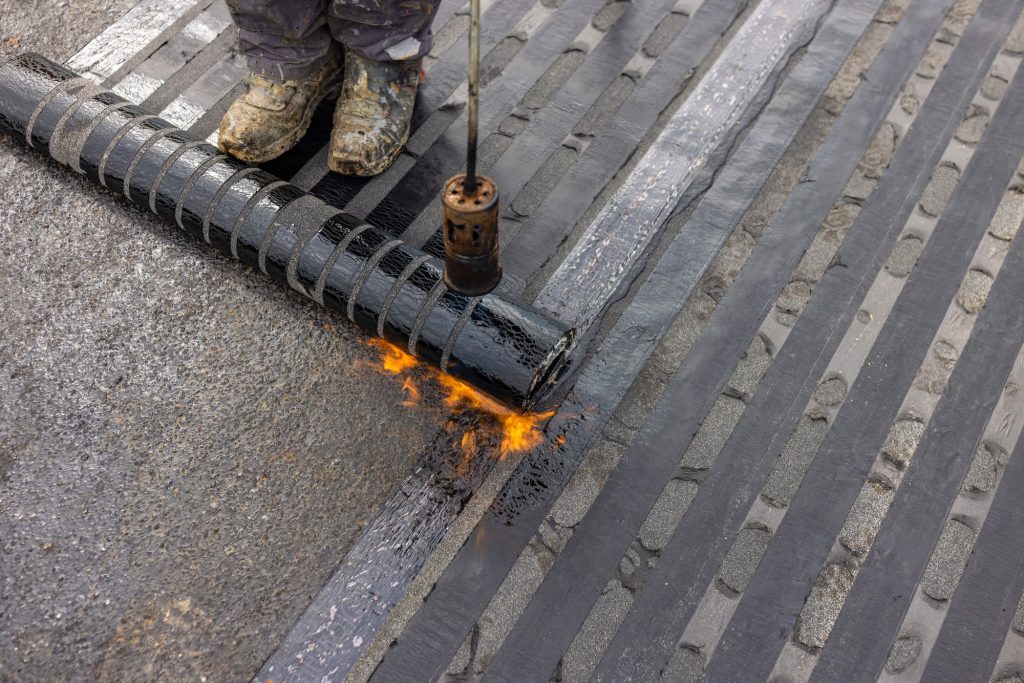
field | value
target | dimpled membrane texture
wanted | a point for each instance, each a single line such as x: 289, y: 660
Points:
x: 389, y: 288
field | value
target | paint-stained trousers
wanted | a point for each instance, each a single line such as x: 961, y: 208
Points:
x: 288, y: 39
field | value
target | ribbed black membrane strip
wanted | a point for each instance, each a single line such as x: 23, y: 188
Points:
x: 503, y: 348
x: 693, y: 554
x: 800, y: 547
x: 990, y: 589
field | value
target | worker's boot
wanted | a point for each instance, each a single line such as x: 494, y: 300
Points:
x: 273, y: 115
x: 371, y: 119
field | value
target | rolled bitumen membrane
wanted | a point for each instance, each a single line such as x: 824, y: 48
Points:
x: 385, y: 286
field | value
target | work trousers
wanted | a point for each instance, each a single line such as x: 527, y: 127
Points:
x: 289, y: 39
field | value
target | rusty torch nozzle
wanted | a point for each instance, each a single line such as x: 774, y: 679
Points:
x: 471, y: 235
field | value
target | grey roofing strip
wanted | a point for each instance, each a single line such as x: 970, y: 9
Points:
x: 990, y: 589
x: 435, y: 294
x: 96, y: 121
x: 453, y: 336
x: 247, y: 209
x: 66, y: 146
x: 815, y: 517
x: 166, y: 166
x: 442, y: 623
x: 692, y: 555
x: 321, y: 280
x: 601, y: 539
x: 305, y: 216
x: 318, y: 219
x: 364, y: 275
x: 131, y: 39
x: 72, y: 85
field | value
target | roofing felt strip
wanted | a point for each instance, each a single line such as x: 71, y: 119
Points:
x: 990, y: 589
x: 815, y: 517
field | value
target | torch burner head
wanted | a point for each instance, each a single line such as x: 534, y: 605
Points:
x: 470, y: 226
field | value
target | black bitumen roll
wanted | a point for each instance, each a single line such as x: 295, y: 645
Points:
x: 385, y: 286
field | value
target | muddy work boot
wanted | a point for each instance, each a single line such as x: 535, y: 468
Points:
x: 273, y: 115
x: 371, y: 120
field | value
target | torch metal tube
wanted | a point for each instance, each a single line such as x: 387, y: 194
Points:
x: 474, y: 95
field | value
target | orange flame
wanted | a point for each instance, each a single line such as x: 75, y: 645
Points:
x: 520, y: 431
x: 412, y: 394
x: 395, y: 361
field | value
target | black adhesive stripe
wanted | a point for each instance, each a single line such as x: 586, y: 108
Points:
x: 118, y: 136
x: 396, y: 288
x: 191, y: 183
x: 990, y: 589
x: 364, y: 274
x: 800, y: 547
x: 94, y: 124
x: 166, y: 165
x: 293, y: 260
x: 145, y: 147
x: 219, y: 194
x: 436, y: 292
x: 446, y: 355
x: 71, y: 86
x: 247, y: 209
x: 321, y: 281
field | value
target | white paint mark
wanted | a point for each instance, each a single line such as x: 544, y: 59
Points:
x: 136, y: 87
x: 126, y: 37
x: 182, y: 112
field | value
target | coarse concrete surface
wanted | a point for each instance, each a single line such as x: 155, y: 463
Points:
x: 186, y: 451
